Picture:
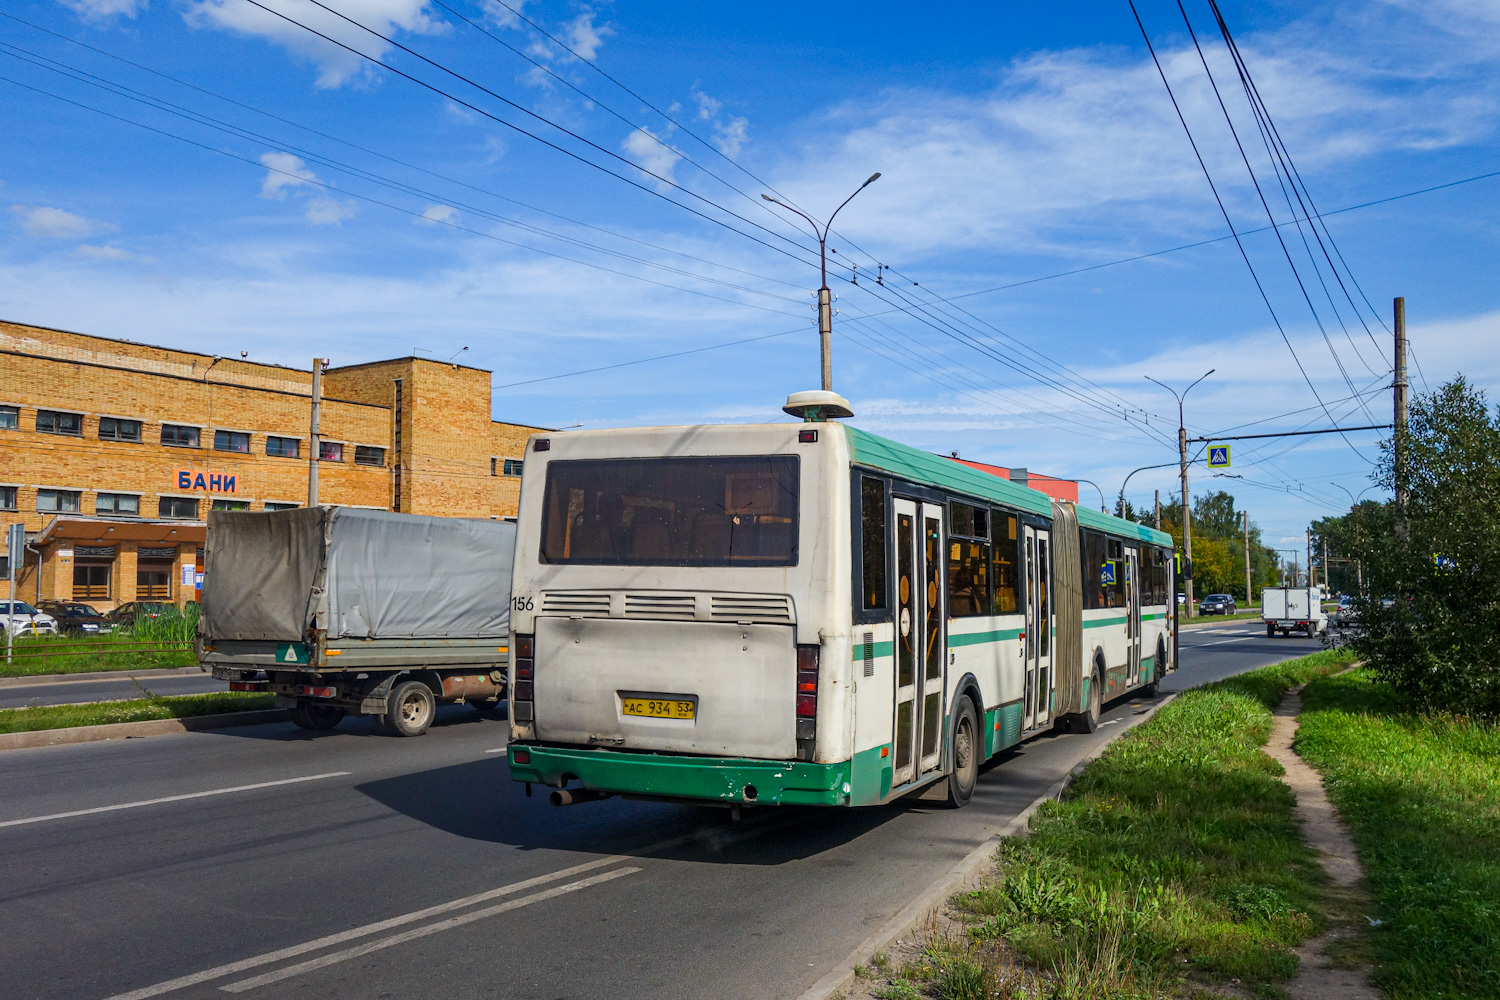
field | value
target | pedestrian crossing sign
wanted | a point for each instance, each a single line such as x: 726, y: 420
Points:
x: 1218, y: 456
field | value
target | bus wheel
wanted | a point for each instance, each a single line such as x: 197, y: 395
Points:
x: 965, y: 752
x: 1088, y: 720
x: 312, y: 715
x: 409, y: 709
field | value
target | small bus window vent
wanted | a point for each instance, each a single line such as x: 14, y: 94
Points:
x: 673, y: 606
x: 771, y: 608
x: 593, y: 604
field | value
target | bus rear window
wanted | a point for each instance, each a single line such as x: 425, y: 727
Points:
x: 672, y: 511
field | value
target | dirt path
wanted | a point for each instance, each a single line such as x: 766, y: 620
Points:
x: 1320, y: 976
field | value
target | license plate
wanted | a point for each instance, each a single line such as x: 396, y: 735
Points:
x: 659, y: 708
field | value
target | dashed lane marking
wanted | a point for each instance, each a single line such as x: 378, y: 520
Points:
x: 171, y: 798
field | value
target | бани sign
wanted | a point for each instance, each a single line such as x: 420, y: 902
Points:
x: 212, y: 482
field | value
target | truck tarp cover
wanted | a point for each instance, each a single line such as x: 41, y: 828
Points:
x: 384, y: 575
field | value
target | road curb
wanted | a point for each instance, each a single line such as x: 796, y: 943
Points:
x: 38, y: 680
x: 914, y: 915
x: 130, y: 730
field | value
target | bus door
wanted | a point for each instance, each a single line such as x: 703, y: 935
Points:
x: 1133, y: 610
x: 921, y: 645
x: 1036, y: 708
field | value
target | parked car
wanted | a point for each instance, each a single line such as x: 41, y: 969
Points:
x: 77, y: 618
x: 1344, y: 615
x: 1216, y: 604
x: 25, y: 619
x: 126, y: 614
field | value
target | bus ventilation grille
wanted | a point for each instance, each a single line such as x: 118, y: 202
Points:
x: 771, y: 608
x: 869, y: 654
x: 671, y: 606
x: 576, y: 603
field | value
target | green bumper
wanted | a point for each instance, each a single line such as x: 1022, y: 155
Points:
x: 718, y: 779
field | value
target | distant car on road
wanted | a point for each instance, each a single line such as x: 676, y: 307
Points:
x: 77, y: 618
x: 1216, y: 604
x: 25, y: 619
x: 127, y: 613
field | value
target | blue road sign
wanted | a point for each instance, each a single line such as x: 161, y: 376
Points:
x: 1107, y: 572
x: 1218, y: 456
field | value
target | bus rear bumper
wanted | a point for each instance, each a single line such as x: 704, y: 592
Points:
x: 733, y: 780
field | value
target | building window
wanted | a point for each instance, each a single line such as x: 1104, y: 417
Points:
x: 367, y: 455
x: 10, y: 418
x: 494, y: 467
x: 7, y: 498
x: 91, y: 581
x: 512, y: 466
x: 117, y: 429
x: 230, y: 505
x: 153, y: 582
x: 119, y: 504
x: 330, y: 451
x: 177, y: 507
x: 279, y: 447
x: 60, y: 501
x: 57, y: 422
x: 232, y: 441
x: 275, y: 505
x: 178, y: 436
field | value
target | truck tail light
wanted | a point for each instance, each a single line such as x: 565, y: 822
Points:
x: 807, y: 701
x: 521, y: 696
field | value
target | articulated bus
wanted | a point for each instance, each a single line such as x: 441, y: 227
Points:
x: 808, y: 614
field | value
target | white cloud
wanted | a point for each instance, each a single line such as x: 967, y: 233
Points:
x: 731, y: 136
x: 54, y: 223
x: 328, y: 211
x: 650, y: 151
x: 103, y: 252
x: 585, y: 37
x: 284, y: 172
x: 708, y: 107
x: 436, y: 214
x: 337, y: 66
x: 99, y: 11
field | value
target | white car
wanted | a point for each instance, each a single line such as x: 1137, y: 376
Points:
x: 25, y: 619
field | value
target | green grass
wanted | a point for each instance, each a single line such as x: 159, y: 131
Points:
x: 1421, y: 795
x: 72, y: 654
x: 1176, y: 857
x: 99, y: 713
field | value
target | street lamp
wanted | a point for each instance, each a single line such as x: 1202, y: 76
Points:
x: 825, y: 298
x: 1164, y: 465
x: 1102, y: 509
x: 1187, y: 512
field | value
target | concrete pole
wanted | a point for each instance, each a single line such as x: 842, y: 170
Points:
x: 1398, y: 394
x: 1158, y: 510
x: 1310, y: 580
x: 314, y: 433
x: 1248, y: 595
x: 1325, y: 562
x: 1187, y: 512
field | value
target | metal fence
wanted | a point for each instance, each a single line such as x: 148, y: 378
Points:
x: 49, y: 651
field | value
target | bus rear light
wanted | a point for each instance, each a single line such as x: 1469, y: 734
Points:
x: 807, y: 658
x: 807, y: 706
x: 523, y: 669
x: 522, y: 696
x: 526, y: 646
x: 807, y: 701
x: 523, y: 691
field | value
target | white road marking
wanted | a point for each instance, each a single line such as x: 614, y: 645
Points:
x: 352, y: 933
x: 324, y: 961
x: 171, y: 798
x: 498, y: 750
x: 1222, y: 641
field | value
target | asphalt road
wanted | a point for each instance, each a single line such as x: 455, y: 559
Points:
x: 61, y: 690
x: 353, y: 869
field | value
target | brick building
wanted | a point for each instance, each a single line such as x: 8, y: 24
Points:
x: 112, y: 452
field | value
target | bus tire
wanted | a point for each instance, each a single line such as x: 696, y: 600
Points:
x: 1088, y: 720
x: 315, y: 716
x: 965, y: 750
x: 409, y: 709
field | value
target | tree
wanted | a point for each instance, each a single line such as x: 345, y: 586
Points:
x: 1218, y: 545
x: 1430, y: 623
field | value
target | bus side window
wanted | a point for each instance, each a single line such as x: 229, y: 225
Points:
x: 1003, y: 551
x: 1095, y: 555
x: 873, y: 592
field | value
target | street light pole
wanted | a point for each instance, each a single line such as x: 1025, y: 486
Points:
x: 1187, y: 514
x: 825, y: 297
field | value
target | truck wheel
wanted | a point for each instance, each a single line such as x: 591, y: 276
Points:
x: 1312, y: 630
x: 409, y: 709
x: 315, y: 716
x: 966, y: 749
x: 1270, y: 631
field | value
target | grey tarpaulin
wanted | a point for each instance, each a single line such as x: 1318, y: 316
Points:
x: 358, y: 574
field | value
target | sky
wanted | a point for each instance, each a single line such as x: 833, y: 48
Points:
x: 568, y: 195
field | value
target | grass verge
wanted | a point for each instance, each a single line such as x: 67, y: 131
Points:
x: 1176, y: 858
x: 1421, y: 796
x: 100, y: 713
x: 68, y: 654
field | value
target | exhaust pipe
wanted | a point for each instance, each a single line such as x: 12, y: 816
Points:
x: 574, y: 796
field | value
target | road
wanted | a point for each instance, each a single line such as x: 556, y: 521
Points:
x: 365, y: 866
x: 60, y: 690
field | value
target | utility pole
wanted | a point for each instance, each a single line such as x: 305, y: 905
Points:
x: 825, y: 297
x: 15, y: 552
x: 1310, y: 580
x: 1325, y: 561
x: 314, y: 433
x: 1248, y: 595
x: 1398, y: 394
x: 1158, y: 510
x: 1187, y: 513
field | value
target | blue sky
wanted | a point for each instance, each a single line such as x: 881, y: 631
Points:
x: 372, y: 217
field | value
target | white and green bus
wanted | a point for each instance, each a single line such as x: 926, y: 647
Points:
x: 808, y: 614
